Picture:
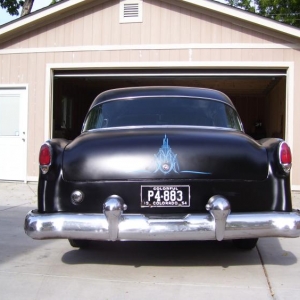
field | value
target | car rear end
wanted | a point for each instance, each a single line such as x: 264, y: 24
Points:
x: 163, y: 176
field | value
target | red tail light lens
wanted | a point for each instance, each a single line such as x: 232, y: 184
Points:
x: 45, y: 158
x: 285, y: 157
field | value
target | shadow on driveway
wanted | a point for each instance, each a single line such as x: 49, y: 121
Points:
x: 191, y: 253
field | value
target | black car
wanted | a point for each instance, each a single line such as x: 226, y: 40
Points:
x: 163, y: 164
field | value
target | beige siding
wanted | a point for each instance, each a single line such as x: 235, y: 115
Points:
x: 163, y: 24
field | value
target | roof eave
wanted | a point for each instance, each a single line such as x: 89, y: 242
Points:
x: 65, y: 8
x: 245, y: 15
x: 42, y: 17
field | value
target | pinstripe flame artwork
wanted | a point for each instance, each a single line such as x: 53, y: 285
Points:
x: 167, y: 162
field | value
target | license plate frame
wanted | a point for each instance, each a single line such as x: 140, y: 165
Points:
x: 165, y: 196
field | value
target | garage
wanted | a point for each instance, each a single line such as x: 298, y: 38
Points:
x: 258, y: 94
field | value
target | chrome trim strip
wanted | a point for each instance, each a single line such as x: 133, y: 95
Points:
x: 156, y: 228
x: 162, y: 95
x: 162, y: 126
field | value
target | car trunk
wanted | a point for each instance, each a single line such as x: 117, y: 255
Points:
x: 165, y: 153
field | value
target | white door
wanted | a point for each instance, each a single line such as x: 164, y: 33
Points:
x: 13, y: 133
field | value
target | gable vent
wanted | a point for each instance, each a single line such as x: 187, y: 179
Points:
x: 131, y: 11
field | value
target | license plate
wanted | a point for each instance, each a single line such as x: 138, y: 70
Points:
x: 165, y: 196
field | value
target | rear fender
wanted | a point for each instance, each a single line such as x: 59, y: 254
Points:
x: 272, y: 146
x: 49, y: 181
x: 280, y: 180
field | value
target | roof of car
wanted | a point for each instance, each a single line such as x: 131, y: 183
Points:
x: 134, y: 92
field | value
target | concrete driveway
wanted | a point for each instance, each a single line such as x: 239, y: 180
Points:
x: 52, y: 269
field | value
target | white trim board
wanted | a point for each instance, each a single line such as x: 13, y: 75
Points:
x: 193, y: 46
x: 32, y: 178
x: 170, y: 64
x: 39, y: 15
x: 246, y: 16
x: 295, y: 187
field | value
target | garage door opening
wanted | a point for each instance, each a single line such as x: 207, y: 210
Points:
x: 259, y: 95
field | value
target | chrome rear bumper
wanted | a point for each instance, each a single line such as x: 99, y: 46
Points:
x: 113, y: 224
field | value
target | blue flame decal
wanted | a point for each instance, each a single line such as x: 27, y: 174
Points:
x: 166, y: 160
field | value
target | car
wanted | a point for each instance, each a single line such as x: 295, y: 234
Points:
x: 163, y: 164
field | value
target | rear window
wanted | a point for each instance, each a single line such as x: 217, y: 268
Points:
x: 155, y: 111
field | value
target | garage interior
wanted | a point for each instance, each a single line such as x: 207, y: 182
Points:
x: 259, y: 95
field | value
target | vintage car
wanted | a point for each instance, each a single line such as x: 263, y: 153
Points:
x: 163, y: 164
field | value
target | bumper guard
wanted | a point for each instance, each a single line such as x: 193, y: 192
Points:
x: 114, y: 225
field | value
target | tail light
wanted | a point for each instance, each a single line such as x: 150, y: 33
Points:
x: 45, y: 158
x: 285, y: 157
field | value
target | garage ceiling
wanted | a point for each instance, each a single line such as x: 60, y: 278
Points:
x: 232, y: 82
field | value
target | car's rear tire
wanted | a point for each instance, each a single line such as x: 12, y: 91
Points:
x: 246, y: 244
x: 82, y: 244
